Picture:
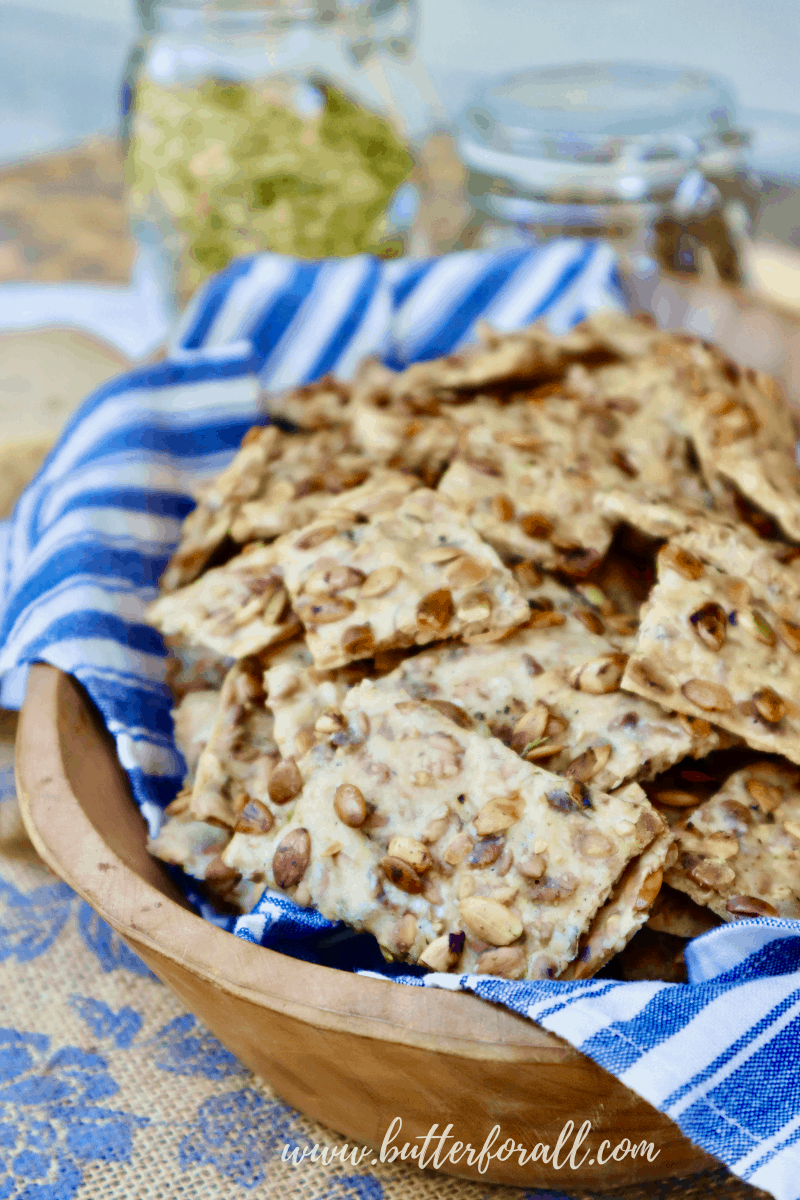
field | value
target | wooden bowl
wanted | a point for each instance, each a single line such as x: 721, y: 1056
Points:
x: 351, y: 1052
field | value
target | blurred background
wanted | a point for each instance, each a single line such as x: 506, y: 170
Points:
x: 98, y: 266
x: 61, y: 60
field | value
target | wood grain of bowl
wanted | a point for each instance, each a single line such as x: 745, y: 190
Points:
x: 349, y: 1051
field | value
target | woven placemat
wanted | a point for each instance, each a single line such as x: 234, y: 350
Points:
x: 110, y: 1090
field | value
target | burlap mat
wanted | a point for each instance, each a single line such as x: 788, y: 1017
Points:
x: 110, y: 1090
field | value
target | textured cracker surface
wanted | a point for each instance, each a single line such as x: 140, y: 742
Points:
x: 417, y: 768
x: 757, y: 595
x: 738, y: 844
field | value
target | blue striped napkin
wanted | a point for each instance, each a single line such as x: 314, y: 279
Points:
x: 93, y: 532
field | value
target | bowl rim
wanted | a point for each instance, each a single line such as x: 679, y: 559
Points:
x: 52, y: 777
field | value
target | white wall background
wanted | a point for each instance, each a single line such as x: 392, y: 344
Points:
x: 757, y: 45
x: 61, y: 60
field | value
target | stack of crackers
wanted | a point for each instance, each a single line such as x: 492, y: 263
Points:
x: 498, y: 658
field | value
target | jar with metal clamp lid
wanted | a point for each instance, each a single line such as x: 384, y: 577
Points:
x: 646, y: 157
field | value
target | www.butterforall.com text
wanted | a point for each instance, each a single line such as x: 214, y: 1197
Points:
x: 439, y: 1147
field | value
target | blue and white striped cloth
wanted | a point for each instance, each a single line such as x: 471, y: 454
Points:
x: 93, y: 532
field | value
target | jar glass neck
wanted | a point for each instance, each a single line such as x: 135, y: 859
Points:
x: 170, y: 15
x: 570, y: 208
x: 186, y: 17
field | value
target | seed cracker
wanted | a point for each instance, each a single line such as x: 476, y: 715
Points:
x: 659, y: 518
x: 207, y: 526
x: 531, y: 354
x: 523, y: 357
x: 193, y: 668
x: 418, y: 830
x: 537, y: 509
x: 298, y: 693
x: 534, y: 474
x: 276, y: 482
x: 739, y: 853
x: 719, y: 638
x: 547, y: 445
x: 193, y: 844
x: 300, y: 484
x: 745, y: 433
x: 551, y: 691
x: 196, y: 847
x: 526, y: 474
x: 319, y: 405
x: 424, y: 445
x: 527, y: 356
x: 242, y: 607
x: 239, y: 761
x: 639, y: 411
x: 671, y: 406
x: 233, y: 610
x: 625, y: 912
x: 640, y: 408
x: 189, y: 844
x: 392, y: 432
x: 400, y: 578
x: 193, y: 721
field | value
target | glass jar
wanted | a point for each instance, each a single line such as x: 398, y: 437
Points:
x: 283, y: 125
x: 647, y: 157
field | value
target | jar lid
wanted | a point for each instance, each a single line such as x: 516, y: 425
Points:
x: 319, y: 10
x: 620, y: 129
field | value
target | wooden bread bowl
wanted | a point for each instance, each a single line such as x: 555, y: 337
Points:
x: 351, y: 1052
